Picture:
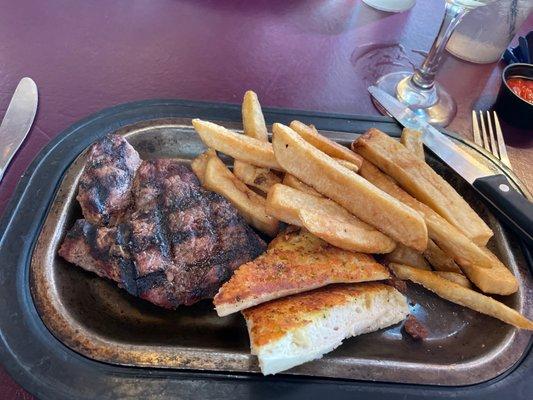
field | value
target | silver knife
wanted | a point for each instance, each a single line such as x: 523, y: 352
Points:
x: 17, y: 121
x: 513, y: 208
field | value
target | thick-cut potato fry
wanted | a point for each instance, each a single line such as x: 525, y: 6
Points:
x: 260, y: 178
x: 460, y: 279
x: 251, y: 206
x: 354, y: 193
x: 412, y: 140
x: 344, y: 233
x: 460, y: 295
x: 439, y: 260
x: 419, y: 179
x: 326, y: 220
x: 253, y: 120
x: 322, y: 143
x: 347, y: 164
x: 294, y: 182
x: 254, y: 127
x: 480, y: 266
x: 284, y: 203
x: 199, y: 164
x: 406, y: 255
x: 235, y: 145
x: 495, y: 279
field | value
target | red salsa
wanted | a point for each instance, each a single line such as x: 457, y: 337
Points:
x: 522, y: 87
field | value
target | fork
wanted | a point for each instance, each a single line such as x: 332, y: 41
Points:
x: 487, y: 139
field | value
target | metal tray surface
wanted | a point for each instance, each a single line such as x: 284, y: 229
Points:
x: 102, y: 322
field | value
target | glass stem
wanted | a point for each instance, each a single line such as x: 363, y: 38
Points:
x: 424, y: 76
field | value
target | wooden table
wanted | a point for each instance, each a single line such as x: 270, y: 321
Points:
x: 313, y: 55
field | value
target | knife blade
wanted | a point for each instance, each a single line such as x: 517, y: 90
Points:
x: 17, y: 121
x: 511, y: 207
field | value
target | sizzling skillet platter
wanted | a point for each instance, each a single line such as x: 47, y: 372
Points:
x: 395, y: 229
x: 102, y: 322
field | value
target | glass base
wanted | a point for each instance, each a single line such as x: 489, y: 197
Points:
x: 434, y: 105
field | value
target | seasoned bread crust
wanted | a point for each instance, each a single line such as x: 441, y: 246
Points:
x: 295, y: 262
x: 271, y: 321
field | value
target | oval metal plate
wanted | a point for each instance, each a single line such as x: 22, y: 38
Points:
x: 100, y: 321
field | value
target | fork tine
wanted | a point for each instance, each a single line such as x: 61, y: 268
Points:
x: 484, y: 132
x: 493, y: 146
x: 501, y: 143
x: 475, y: 129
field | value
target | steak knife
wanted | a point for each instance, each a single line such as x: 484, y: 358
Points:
x: 17, y: 121
x: 511, y: 207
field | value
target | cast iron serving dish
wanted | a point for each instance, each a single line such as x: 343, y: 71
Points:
x: 67, y: 334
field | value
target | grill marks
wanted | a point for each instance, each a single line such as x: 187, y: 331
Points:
x: 195, y: 234
x: 94, y: 249
x: 176, y: 245
x: 105, y: 185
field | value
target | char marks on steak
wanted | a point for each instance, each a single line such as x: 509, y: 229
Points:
x: 104, y: 191
x: 178, y: 244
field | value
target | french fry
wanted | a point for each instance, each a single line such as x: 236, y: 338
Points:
x: 199, y: 164
x: 284, y: 203
x: 480, y: 266
x: 345, y: 234
x: 240, y: 147
x: 405, y: 255
x: 253, y: 120
x: 260, y: 178
x: 419, y: 179
x: 322, y: 143
x: 294, y: 182
x: 347, y: 164
x: 460, y: 295
x: 251, y: 206
x: 439, y: 260
x: 354, y: 193
x: 326, y: 220
x: 412, y: 140
x: 460, y: 279
x: 254, y: 126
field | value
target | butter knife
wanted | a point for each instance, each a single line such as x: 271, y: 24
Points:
x: 17, y: 121
x: 511, y: 207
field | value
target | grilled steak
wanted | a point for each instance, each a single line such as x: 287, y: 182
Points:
x: 179, y: 243
x: 105, y: 186
x: 96, y: 249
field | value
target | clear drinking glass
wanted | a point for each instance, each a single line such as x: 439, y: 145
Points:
x: 418, y: 90
x: 484, y: 34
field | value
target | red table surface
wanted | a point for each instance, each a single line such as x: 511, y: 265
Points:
x: 311, y: 55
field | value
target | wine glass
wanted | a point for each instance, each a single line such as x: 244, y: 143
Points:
x: 418, y: 90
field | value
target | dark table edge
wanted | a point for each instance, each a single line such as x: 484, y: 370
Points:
x: 123, y: 381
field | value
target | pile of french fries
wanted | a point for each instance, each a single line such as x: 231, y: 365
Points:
x: 380, y: 197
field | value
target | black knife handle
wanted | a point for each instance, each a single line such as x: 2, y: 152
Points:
x: 511, y: 207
